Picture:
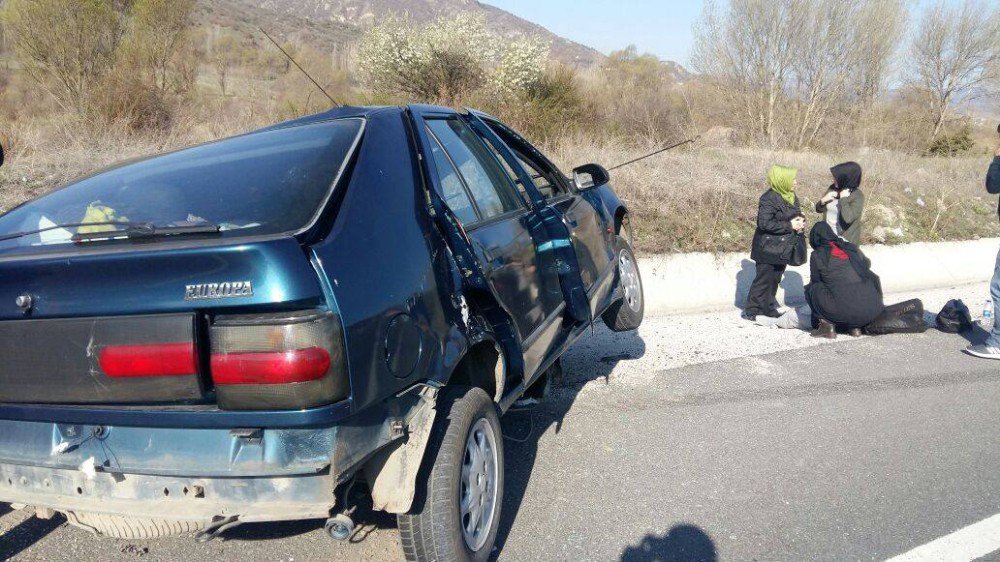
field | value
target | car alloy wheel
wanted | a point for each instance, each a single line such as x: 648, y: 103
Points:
x: 631, y: 285
x: 479, y: 485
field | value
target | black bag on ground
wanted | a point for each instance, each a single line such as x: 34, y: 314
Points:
x: 954, y: 317
x: 903, y: 318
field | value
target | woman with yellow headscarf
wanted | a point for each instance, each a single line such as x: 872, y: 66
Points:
x: 779, y: 220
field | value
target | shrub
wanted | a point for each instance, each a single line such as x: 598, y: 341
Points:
x: 953, y: 144
x: 127, y: 101
x: 550, y: 107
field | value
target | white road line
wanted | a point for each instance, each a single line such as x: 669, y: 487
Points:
x: 966, y: 544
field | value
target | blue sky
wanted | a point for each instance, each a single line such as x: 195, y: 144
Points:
x: 661, y: 27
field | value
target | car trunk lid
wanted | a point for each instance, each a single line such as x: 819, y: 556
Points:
x: 127, y: 324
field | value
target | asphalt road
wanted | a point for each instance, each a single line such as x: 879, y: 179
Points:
x: 860, y: 450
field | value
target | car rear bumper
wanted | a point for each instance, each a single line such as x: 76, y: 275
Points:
x: 189, y: 475
x: 196, y: 500
x: 192, y: 475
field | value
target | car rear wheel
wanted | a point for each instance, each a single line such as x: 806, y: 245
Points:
x: 458, y: 506
x: 627, y: 312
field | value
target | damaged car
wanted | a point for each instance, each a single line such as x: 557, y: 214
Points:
x: 246, y: 330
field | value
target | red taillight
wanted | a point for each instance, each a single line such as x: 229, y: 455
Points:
x: 279, y: 367
x: 149, y: 360
x: 278, y: 361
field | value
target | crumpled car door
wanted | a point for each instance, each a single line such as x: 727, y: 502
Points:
x: 549, y: 228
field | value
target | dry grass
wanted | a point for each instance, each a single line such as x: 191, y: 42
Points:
x: 705, y: 198
x: 692, y: 199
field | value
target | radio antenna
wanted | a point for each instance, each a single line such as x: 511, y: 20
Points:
x: 671, y: 147
x: 298, y: 66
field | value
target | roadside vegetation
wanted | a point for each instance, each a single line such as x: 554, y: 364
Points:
x: 809, y: 83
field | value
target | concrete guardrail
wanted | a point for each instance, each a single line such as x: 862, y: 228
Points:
x: 705, y: 282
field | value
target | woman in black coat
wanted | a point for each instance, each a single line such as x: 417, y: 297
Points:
x: 843, y: 292
x: 779, y: 217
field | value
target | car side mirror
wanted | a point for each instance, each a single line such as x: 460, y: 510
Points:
x: 590, y: 176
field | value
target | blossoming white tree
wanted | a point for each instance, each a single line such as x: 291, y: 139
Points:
x: 448, y: 59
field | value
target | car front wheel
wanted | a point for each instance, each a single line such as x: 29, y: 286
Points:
x: 457, y: 512
x: 626, y: 313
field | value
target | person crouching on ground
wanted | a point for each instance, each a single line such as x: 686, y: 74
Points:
x: 779, y: 217
x: 843, y: 293
x: 844, y: 203
x: 991, y: 349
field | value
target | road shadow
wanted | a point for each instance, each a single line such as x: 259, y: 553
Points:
x: 26, y: 534
x: 594, y: 357
x: 682, y: 543
x: 792, y: 284
x: 795, y: 289
x: 976, y: 336
x: 744, y: 278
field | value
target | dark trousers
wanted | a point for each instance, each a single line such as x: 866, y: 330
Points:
x: 764, y: 288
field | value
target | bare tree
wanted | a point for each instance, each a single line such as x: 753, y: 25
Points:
x: 954, y: 54
x: 227, y: 54
x: 65, y: 46
x: 159, y: 40
x: 822, y: 61
x: 749, y: 49
x: 875, y: 48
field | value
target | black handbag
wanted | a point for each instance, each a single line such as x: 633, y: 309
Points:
x: 801, y: 252
x: 788, y: 248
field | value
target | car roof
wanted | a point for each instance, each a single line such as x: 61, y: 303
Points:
x: 348, y: 111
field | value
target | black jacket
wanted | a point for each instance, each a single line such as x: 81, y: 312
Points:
x: 774, y: 227
x: 852, y: 207
x: 842, y: 287
x: 993, y: 179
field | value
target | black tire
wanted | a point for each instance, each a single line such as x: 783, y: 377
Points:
x: 627, y: 312
x: 433, y: 531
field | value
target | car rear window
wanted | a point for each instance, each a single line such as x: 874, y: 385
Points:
x: 262, y: 183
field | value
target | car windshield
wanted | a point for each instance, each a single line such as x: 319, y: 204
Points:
x: 257, y: 184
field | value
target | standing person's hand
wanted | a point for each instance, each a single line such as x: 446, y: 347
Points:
x: 828, y: 198
x: 997, y: 153
x: 845, y: 193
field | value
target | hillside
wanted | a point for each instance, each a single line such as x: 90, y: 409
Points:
x: 332, y: 24
x: 360, y: 13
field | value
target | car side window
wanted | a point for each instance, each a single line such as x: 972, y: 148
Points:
x: 543, y: 174
x: 542, y: 181
x: 509, y: 171
x: 486, y: 180
x: 455, y: 195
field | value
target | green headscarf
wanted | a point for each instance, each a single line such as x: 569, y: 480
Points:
x: 782, y: 181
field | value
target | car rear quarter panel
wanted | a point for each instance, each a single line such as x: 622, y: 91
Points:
x: 382, y: 262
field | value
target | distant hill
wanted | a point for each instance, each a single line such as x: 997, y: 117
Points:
x: 336, y: 23
x: 329, y: 22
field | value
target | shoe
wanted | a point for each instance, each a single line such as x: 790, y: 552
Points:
x: 984, y: 351
x: 774, y: 314
x: 749, y: 316
x: 825, y: 330
x: 856, y: 333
